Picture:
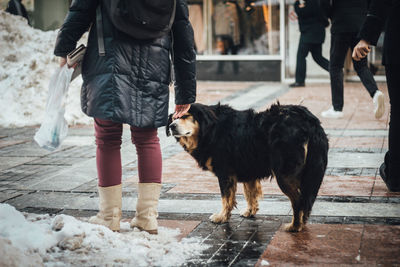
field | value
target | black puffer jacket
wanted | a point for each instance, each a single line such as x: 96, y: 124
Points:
x: 130, y: 83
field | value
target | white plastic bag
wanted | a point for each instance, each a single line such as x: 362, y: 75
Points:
x: 54, y: 127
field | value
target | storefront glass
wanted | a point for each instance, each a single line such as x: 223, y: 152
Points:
x: 242, y: 27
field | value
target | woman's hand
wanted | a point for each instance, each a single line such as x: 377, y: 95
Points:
x: 63, y: 61
x: 180, y: 110
x: 361, y: 50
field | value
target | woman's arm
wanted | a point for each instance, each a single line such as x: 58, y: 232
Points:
x: 78, y: 20
x: 184, y: 56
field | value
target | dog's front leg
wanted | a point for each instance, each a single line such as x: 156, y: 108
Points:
x: 252, y: 193
x: 227, y: 185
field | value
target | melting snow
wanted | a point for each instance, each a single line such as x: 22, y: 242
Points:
x: 26, y: 65
x: 33, y: 240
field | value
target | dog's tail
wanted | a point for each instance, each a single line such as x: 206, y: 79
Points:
x: 313, y: 172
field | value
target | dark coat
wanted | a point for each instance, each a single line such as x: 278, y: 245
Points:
x: 347, y: 16
x: 312, y: 21
x: 16, y: 7
x: 381, y: 13
x: 130, y: 84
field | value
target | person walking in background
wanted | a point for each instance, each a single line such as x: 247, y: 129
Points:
x: 312, y: 22
x: 347, y: 17
x: 385, y: 13
x: 16, y: 7
x: 129, y: 84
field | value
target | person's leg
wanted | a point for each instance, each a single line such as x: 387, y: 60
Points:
x: 149, y: 154
x: 367, y: 79
x: 316, y: 52
x: 301, y: 64
x: 150, y: 167
x: 339, y: 47
x: 392, y: 160
x: 108, y: 158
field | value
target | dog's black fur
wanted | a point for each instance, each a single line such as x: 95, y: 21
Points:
x: 285, y: 141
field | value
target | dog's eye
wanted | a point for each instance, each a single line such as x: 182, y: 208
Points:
x: 184, y: 117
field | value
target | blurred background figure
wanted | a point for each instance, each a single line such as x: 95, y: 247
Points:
x: 312, y: 17
x: 347, y: 17
x: 16, y: 7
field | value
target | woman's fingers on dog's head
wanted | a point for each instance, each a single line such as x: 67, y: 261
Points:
x: 180, y: 110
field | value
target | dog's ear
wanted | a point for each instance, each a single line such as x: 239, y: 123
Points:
x: 168, y: 124
x: 206, y: 116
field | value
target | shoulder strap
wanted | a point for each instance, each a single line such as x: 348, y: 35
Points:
x: 172, y: 54
x: 99, y: 27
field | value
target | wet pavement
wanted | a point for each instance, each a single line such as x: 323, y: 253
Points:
x: 355, y: 220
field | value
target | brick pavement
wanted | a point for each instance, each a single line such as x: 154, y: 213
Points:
x: 355, y: 220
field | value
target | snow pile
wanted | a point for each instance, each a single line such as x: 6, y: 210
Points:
x: 26, y: 65
x: 34, y: 240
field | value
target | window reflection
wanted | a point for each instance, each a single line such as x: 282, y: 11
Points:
x: 242, y: 27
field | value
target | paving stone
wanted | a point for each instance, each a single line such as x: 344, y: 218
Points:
x: 26, y: 150
x: 6, y: 196
x: 347, y: 186
x: 54, y: 161
x: 5, y: 143
x: 362, y: 132
x: 55, y: 200
x: 380, y: 245
x: 356, y: 209
x: 355, y: 160
x: 10, y: 162
x: 318, y: 245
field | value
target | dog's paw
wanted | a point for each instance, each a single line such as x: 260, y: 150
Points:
x: 293, y: 228
x: 247, y: 213
x: 218, y: 218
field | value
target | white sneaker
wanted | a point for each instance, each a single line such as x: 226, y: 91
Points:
x: 332, y: 114
x: 379, y: 104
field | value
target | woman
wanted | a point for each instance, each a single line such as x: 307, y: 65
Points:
x: 130, y: 84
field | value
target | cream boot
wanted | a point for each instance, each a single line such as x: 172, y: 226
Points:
x: 110, y: 204
x: 146, y: 207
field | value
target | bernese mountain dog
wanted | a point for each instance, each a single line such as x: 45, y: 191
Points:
x: 285, y: 141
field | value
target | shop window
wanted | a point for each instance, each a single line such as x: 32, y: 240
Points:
x: 242, y: 27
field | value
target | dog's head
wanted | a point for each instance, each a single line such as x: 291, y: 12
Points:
x: 192, y: 126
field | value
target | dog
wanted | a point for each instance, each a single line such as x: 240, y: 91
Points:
x: 286, y: 142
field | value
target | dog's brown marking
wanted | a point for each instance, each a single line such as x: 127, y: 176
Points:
x: 189, y: 143
x: 228, y: 203
x: 305, y: 152
x: 188, y: 124
x: 252, y: 193
x: 290, y: 186
x: 208, y: 164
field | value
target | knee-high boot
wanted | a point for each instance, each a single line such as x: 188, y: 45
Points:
x: 110, y: 204
x: 146, y: 207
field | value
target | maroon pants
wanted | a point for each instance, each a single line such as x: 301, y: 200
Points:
x: 108, y: 156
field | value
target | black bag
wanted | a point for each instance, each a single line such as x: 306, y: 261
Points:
x: 142, y: 19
